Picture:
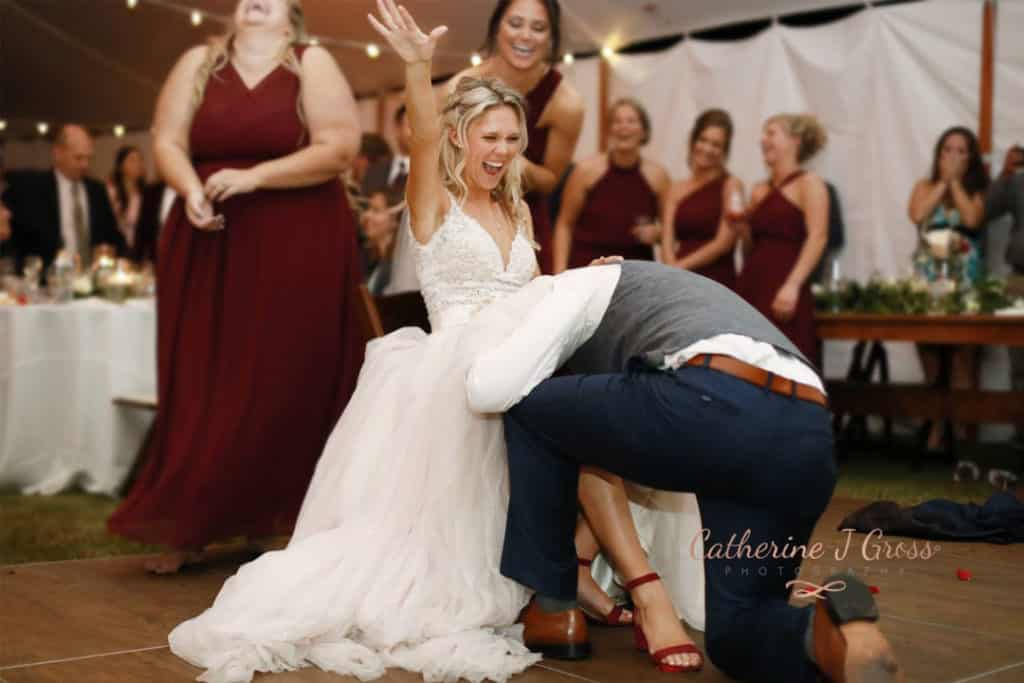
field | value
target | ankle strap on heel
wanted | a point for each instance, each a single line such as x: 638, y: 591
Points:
x: 641, y: 580
x: 584, y: 562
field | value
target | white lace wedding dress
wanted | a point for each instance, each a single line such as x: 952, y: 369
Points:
x: 394, y: 560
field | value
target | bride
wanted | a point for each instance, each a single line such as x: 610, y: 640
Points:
x: 394, y: 559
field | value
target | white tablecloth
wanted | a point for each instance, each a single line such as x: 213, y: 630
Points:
x: 60, y: 368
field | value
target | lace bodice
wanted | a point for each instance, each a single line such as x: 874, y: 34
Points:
x: 461, y: 268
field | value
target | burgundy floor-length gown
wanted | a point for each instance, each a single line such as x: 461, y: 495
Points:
x: 696, y: 223
x: 609, y: 214
x: 537, y: 146
x: 779, y: 233
x: 258, y: 344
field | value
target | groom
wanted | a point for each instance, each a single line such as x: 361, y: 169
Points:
x: 683, y: 386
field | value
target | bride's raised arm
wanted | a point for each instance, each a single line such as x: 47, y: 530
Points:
x: 424, y: 190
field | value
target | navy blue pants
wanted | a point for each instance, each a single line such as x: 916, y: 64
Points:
x: 761, y: 465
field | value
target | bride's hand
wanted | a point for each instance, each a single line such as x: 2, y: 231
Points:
x: 605, y: 260
x: 402, y: 33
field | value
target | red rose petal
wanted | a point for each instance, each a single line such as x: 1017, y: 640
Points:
x: 875, y: 589
x: 963, y: 575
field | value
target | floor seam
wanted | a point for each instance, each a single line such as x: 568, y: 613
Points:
x: 29, y: 665
x: 566, y: 673
x: 948, y: 627
x: 986, y: 674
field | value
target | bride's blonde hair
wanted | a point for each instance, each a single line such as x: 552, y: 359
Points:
x: 219, y: 50
x: 472, y: 98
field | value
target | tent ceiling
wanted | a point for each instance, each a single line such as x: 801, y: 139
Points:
x: 98, y: 62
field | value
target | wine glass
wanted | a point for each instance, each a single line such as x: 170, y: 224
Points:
x: 735, y: 211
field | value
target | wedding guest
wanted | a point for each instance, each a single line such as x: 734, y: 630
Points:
x: 61, y: 208
x: 610, y: 202
x: 5, y: 224
x: 523, y: 43
x: 952, y: 198
x: 258, y: 340
x: 699, y: 208
x: 787, y: 230
x: 1006, y: 196
x: 157, y: 200
x: 384, y: 190
x: 372, y: 148
x: 125, y: 188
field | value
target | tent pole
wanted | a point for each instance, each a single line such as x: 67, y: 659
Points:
x: 987, y: 79
x: 604, y: 73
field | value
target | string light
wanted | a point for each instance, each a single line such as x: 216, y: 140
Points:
x: 132, y: 4
x: 372, y: 51
x: 314, y: 41
x: 197, y: 17
x: 119, y: 131
x: 568, y: 58
x: 43, y: 127
x: 476, y: 60
x: 3, y: 125
x: 607, y: 52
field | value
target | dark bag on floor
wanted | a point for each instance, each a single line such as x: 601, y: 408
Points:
x: 999, y: 520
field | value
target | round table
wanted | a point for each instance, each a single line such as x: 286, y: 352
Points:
x: 61, y: 365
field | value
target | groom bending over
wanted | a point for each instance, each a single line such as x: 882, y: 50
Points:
x: 683, y: 386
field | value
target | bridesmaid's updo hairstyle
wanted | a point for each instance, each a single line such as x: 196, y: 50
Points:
x: 712, y: 118
x: 219, y: 49
x: 554, y: 11
x: 472, y: 98
x: 807, y: 129
x: 641, y: 113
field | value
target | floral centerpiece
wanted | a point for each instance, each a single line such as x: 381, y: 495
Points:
x: 913, y: 296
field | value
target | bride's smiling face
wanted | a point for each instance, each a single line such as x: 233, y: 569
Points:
x: 492, y: 142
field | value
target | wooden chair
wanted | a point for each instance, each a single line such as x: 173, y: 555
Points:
x: 382, y: 314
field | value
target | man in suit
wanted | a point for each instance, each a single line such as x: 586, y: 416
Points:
x: 384, y: 188
x: 61, y: 208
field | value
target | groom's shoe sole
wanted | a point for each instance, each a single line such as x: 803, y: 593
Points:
x: 568, y: 652
x: 854, y: 603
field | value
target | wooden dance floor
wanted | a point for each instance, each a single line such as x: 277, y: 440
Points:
x: 106, y: 620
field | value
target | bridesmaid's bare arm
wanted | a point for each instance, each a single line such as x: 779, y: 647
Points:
x: 424, y: 190
x: 172, y: 123
x: 566, y: 124
x: 572, y: 203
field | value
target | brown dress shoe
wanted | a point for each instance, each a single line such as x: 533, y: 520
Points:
x: 558, y: 635
x: 848, y: 646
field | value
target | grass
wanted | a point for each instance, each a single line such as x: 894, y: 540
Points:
x: 62, y: 527
x: 73, y: 525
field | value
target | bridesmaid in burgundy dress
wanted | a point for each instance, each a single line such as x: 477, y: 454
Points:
x: 699, y: 208
x: 258, y: 341
x: 611, y: 201
x: 523, y: 41
x: 788, y: 230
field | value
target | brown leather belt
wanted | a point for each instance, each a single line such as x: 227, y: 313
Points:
x: 762, y: 378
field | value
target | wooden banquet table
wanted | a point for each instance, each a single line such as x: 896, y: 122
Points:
x: 857, y: 395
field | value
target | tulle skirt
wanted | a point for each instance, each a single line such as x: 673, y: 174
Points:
x: 394, y: 561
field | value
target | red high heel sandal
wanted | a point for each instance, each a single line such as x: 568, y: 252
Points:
x: 612, y: 618
x: 659, y: 655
